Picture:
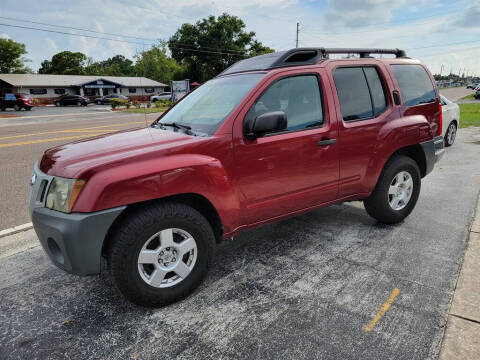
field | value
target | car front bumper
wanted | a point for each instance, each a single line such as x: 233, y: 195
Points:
x: 72, y: 241
x: 433, y: 150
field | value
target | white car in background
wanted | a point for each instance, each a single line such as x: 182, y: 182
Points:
x: 450, y: 120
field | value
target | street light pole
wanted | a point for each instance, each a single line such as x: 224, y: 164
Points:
x: 296, y: 42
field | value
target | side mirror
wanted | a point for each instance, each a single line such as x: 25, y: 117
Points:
x: 269, y: 122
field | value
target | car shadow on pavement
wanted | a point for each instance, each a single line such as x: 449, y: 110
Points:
x: 60, y: 310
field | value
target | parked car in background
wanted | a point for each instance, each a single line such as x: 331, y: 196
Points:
x: 103, y: 100
x: 65, y: 100
x: 477, y: 87
x: 451, y: 120
x: 16, y: 101
x: 271, y: 137
x: 161, y: 96
x: 477, y: 94
x: 472, y: 86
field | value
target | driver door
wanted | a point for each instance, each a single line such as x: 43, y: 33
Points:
x: 283, y: 172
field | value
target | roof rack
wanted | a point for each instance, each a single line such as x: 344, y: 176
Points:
x: 301, y: 56
x: 364, y: 52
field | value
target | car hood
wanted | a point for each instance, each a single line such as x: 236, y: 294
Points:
x: 78, y: 159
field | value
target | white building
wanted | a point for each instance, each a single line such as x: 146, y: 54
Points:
x: 48, y: 87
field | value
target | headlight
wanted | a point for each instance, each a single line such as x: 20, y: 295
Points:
x: 63, y: 193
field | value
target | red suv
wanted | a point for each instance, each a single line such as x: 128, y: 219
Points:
x: 16, y: 101
x: 271, y: 137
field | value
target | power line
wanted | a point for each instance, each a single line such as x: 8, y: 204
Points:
x: 122, y: 41
x: 99, y: 32
x: 74, y: 28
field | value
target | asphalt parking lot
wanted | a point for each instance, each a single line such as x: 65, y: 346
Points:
x: 51, y: 113
x: 305, y: 288
x: 24, y: 139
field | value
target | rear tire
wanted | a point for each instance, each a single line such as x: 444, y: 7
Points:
x: 451, y: 134
x: 16, y: 107
x: 159, y: 281
x: 391, y: 201
x: 57, y: 103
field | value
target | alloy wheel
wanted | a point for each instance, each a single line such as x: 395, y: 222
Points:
x: 451, y: 134
x: 400, y: 190
x: 167, y: 258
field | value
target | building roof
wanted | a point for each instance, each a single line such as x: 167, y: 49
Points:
x: 26, y: 80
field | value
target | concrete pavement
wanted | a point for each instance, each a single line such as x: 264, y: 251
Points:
x: 332, y: 284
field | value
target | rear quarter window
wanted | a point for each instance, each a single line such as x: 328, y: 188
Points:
x: 415, y: 84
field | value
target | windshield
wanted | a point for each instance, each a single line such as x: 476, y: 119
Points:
x: 204, y: 109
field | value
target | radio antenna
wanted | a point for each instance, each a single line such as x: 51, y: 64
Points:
x: 143, y: 89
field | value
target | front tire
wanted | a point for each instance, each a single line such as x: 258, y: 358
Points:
x: 451, y: 134
x: 16, y: 107
x: 396, y: 192
x: 161, y: 253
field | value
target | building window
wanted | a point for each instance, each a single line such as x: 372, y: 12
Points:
x: 59, y: 91
x: 149, y: 90
x: 38, y: 91
x: 132, y: 90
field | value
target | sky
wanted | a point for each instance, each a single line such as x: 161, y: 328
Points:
x: 443, y: 34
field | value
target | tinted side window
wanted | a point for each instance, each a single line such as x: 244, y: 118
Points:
x: 353, y: 94
x: 415, y: 84
x: 298, y: 96
x: 377, y: 90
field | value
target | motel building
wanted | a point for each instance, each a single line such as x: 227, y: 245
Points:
x: 46, y: 88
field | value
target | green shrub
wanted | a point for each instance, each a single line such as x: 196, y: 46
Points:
x: 163, y: 103
x: 117, y: 102
x: 136, y: 104
x: 36, y: 101
x: 148, y: 105
x: 128, y: 104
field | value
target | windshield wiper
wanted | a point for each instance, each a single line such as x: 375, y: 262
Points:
x: 177, y: 125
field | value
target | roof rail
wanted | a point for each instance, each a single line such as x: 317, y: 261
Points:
x: 364, y: 52
x: 301, y: 56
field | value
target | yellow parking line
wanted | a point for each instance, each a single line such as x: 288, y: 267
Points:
x: 48, y: 140
x: 382, y: 310
x: 70, y: 130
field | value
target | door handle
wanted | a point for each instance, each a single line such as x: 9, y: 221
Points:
x: 326, y: 142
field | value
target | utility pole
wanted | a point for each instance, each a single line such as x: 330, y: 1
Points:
x: 296, y: 42
x: 441, y: 70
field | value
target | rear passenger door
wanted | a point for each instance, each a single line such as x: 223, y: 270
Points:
x: 364, y: 106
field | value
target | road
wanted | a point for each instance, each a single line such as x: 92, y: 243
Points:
x: 456, y: 93
x: 312, y: 287
x: 24, y: 139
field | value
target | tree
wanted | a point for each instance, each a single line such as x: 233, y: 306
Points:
x: 155, y: 64
x: 11, y: 60
x: 212, y: 44
x: 64, y: 63
x: 117, y: 65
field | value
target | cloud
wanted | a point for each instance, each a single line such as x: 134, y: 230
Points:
x: 4, y: 36
x: 52, y: 45
x: 470, y: 18
x: 354, y: 14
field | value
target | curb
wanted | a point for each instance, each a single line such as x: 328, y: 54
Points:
x: 16, y: 229
x: 460, y: 339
